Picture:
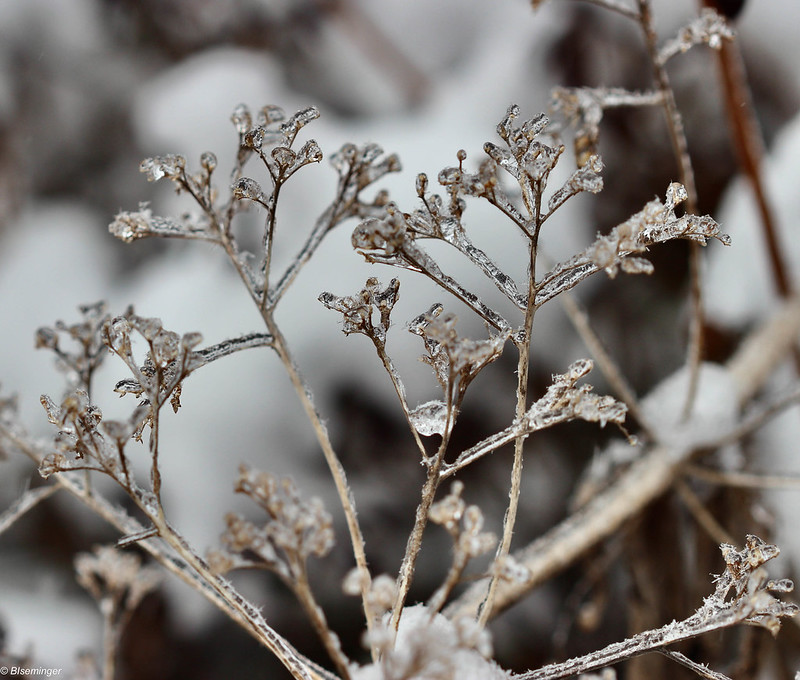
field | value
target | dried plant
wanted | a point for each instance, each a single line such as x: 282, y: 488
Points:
x: 701, y: 409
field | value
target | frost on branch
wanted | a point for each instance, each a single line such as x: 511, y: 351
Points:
x: 455, y: 360
x: 743, y: 594
x: 744, y: 589
x: 563, y: 401
x: 437, y: 219
x: 84, y: 440
x: 530, y: 155
x: 710, y: 28
x: 295, y: 529
x: 621, y: 247
x: 359, y: 310
x: 583, y: 108
x: 129, y: 226
x: 359, y: 167
x: 271, y: 135
x: 170, y: 359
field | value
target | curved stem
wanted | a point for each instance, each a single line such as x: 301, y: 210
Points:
x: 330, y: 641
x: 335, y: 466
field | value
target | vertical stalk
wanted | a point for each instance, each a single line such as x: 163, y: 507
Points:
x: 523, y: 344
x: 111, y: 635
x: 680, y: 149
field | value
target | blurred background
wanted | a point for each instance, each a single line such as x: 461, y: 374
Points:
x: 90, y: 87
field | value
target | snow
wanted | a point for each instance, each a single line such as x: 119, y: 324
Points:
x: 735, y: 300
x: 430, y: 645
x: 714, y: 412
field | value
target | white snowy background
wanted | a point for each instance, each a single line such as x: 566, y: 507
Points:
x: 56, y: 254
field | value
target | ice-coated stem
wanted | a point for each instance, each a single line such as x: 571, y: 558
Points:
x: 406, y: 574
x: 646, y: 479
x: 523, y: 344
x: 330, y: 640
x: 680, y: 148
x: 187, y: 566
x: 334, y: 464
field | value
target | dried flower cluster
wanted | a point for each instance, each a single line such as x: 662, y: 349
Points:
x: 294, y: 530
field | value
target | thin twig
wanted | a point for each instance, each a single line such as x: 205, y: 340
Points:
x: 701, y: 514
x: 414, y: 542
x: 749, y: 147
x: 611, y: 371
x: 700, y: 669
x: 680, y: 148
x: 27, y: 501
x: 647, y: 478
x: 334, y: 465
x: 743, y: 480
x: 187, y: 566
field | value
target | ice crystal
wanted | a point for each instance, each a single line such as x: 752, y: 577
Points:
x: 392, y: 240
x: 528, y: 159
x: 429, y: 418
x: 744, y: 590
x: 565, y: 399
x: 79, y: 442
x: 129, y: 226
x: 655, y: 223
x: 455, y: 360
x: 170, y: 359
x: 709, y: 28
x: 359, y: 310
x: 246, y: 188
x: 170, y: 166
x: 586, y: 178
